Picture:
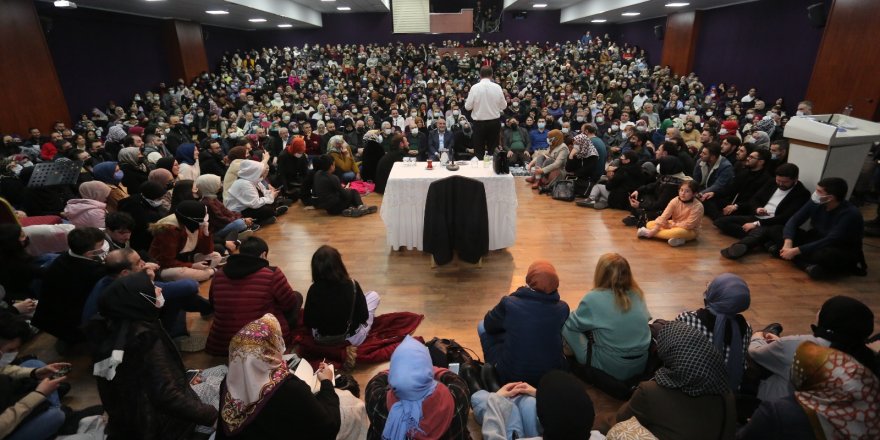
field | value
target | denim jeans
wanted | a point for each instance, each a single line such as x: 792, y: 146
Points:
x: 43, y: 425
x: 233, y: 227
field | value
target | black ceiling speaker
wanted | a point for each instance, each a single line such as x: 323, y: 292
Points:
x: 816, y: 14
x: 658, y: 31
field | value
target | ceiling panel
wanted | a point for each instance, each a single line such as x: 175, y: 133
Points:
x: 194, y: 10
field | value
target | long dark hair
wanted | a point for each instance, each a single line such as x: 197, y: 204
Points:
x: 327, y: 265
x: 11, y: 249
x: 182, y: 192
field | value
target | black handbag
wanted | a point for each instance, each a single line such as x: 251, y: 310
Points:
x: 447, y: 351
x: 500, y: 163
x: 563, y: 190
x: 341, y: 338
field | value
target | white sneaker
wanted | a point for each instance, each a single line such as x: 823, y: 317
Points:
x: 642, y: 232
x: 676, y: 242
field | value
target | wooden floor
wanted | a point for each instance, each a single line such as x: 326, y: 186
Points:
x: 455, y: 297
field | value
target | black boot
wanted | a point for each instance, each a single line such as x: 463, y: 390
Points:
x: 490, y: 378
x: 471, y: 376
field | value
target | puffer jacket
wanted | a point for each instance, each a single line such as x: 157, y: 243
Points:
x: 86, y: 213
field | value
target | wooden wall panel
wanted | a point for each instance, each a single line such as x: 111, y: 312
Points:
x: 186, y: 49
x: 847, y: 68
x: 680, y: 41
x: 31, y: 94
x: 453, y: 22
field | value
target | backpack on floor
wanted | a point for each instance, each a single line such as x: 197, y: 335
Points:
x: 563, y: 190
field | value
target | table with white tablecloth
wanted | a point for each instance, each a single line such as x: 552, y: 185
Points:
x: 403, y: 204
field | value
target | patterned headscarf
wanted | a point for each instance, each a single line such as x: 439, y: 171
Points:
x: 690, y: 363
x: 129, y: 155
x: 116, y: 133
x: 374, y: 136
x: 256, y: 371
x: 761, y: 139
x: 727, y: 296
x: 839, y: 395
x: 586, y: 149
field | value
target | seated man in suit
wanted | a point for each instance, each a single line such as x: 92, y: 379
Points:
x: 833, y: 247
x: 439, y: 140
x: 760, y: 219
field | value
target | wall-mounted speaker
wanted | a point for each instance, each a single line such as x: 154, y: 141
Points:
x: 658, y: 31
x: 520, y: 15
x: 816, y: 14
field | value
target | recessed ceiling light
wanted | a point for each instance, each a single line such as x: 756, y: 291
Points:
x: 217, y: 12
x: 631, y: 14
x: 539, y: 5
x: 343, y: 8
x: 285, y: 25
x: 257, y: 20
x: 676, y: 5
x: 598, y: 20
x: 328, y: 0
x: 155, y: 0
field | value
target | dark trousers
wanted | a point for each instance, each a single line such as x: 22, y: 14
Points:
x: 732, y: 224
x: 486, y: 137
x: 259, y: 214
x: 835, y: 259
x: 714, y: 206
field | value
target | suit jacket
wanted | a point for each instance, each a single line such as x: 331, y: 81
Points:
x: 434, y: 142
x: 787, y: 207
x: 456, y: 218
x: 422, y: 141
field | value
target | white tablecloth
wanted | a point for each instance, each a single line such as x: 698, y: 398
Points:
x: 403, y: 205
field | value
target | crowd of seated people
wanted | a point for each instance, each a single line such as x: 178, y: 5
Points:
x: 183, y: 174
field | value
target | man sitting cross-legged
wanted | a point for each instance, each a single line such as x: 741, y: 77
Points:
x: 764, y: 214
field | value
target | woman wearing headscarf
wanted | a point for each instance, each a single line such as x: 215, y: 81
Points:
x: 583, y: 156
x: 183, y: 190
x: 148, y: 396
x: 261, y: 399
x: 110, y: 174
x: 520, y: 336
x: 146, y: 208
x: 415, y: 400
x: 293, y: 166
x: 90, y: 210
x: 236, y: 155
x: 346, y: 168
x: 250, y: 197
x: 163, y: 177
x: 609, y: 329
x: 725, y: 298
x: 844, y: 324
x: 559, y: 408
x: 224, y: 224
x: 548, y: 166
x: 836, y: 397
x: 688, y: 398
x: 134, y: 172
x: 115, y: 134
x: 761, y: 140
x: 187, y: 156
x: 373, y: 152
x: 169, y: 164
x: 179, y: 238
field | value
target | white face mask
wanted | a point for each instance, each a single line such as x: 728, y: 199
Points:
x: 799, y: 113
x: 817, y: 199
x: 414, y: 130
x: 564, y: 130
x: 7, y: 358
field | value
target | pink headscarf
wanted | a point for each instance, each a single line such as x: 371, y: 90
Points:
x: 94, y: 190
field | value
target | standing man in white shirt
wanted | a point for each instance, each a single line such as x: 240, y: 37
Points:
x: 486, y: 102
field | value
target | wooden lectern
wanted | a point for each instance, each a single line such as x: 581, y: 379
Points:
x: 830, y: 146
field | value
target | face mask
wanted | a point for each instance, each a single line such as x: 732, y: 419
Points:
x: 167, y: 130
x: 414, y: 131
x: 541, y: 125
x: 456, y: 113
x: 728, y: 113
x: 817, y: 199
x: 17, y: 169
x: 641, y: 128
x: 564, y: 130
x: 7, y: 358
x: 514, y: 125
x: 387, y: 131
x: 200, y: 114
x: 688, y: 130
x: 154, y: 203
x: 709, y: 113
x: 799, y: 113
x: 615, y: 127
x: 723, y: 131
x: 250, y: 102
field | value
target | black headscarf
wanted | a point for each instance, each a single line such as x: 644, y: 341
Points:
x: 847, y: 323
x: 190, y: 214
x: 131, y: 297
x: 564, y: 407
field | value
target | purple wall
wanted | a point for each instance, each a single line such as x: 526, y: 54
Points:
x: 641, y: 34
x: 768, y: 45
x: 101, y: 56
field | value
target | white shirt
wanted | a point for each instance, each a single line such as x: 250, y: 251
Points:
x: 774, y: 202
x: 485, y: 101
x: 399, y: 121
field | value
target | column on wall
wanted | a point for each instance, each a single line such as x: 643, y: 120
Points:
x: 680, y: 41
x: 32, y: 94
x: 186, y: 49
x: 847, y: 67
